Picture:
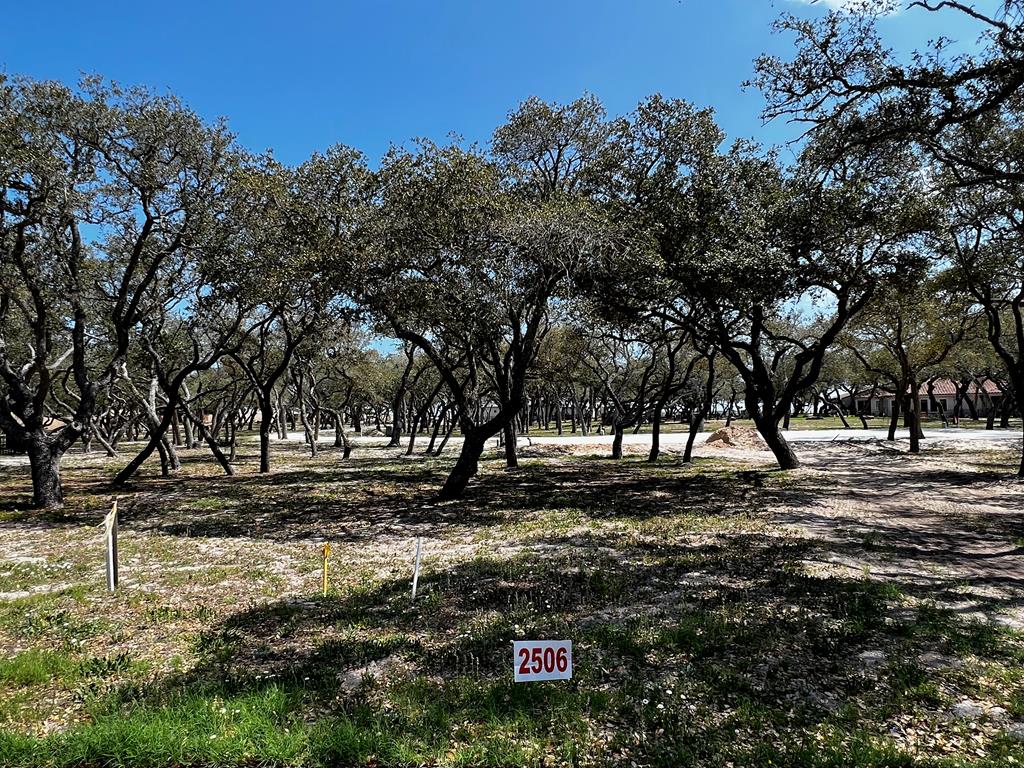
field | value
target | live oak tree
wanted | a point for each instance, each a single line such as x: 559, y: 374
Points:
x: 102, y: 191
x: 561, y: 374
x: 471, y: 250
x: 850, y: 91
x: 983, y: 240
x: 960, y: 111
x: 449, y: 280
x: 910, y: 327
x: 300, y: 225
x: 764, y: 265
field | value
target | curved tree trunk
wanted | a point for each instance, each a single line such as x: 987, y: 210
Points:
x: 438, y: 423
x: 465, y: 468
x: 696, y: 425
x: 340, y: 438
x: 778, y: 444
x: 448, y: 433
x: 617, y: 441
x: 210, y: 441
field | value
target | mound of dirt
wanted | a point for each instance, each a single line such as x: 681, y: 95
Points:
x: 745, y: 438
x: 372, y: 433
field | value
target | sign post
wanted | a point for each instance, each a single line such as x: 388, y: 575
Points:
x: 327, y: 554
x: 110, y: 536
x: 416, y: 567
x: 534, y: 660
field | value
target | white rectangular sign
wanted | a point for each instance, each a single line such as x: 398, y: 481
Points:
x: 541, y: 660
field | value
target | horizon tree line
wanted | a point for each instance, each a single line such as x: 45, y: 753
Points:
x: 160, y: 282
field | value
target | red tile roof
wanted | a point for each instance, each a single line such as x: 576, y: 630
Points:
x: 942, y: 388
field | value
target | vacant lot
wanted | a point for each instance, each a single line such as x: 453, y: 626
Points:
x: 864, y: 610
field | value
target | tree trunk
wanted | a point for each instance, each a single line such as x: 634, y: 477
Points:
x: 698, y: 417
x: 172, y: 455
x: 915, y: 420
x: 107, y: 446
x: 190, y: 438
x: 282, y: 424
x: 837, y: 406
x: 210, y: 440
x: 465, y: 468
x: 266, y: 415
x: 511, y: 458
x: 340, y: 438
x: 655, y: 434
x: 617, y: 441
x: 155, y: 442
x: 175, y: 430
x: 783, y: 451
x: 396, y: 424
x: 412, y: 436
x: 1020, y: 472
x: 1005, y: 411
x: 696, y: 425
x: 451, y: 428
x: 45, y: 463
x: 438, y: 422
x: 894, y: 419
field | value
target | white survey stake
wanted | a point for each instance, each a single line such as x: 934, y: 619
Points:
x: 541, y: 660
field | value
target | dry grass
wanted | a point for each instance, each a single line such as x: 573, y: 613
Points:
x: 721, y: 613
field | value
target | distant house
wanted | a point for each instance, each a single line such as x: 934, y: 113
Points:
x: 986, y: 396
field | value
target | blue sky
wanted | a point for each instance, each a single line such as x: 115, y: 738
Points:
x: 299, y: 76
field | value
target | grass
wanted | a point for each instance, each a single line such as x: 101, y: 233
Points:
x: 704, y: 631
x: 880, y: 423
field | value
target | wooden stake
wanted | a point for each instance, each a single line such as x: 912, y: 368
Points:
x: 327, y: 554
x: 110, y: 536
x: 416, y: 568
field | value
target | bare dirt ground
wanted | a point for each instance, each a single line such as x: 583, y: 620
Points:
x: 870, y: 603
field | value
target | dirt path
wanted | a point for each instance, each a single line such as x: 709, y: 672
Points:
x: 948, y: 522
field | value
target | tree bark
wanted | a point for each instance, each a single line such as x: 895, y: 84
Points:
x: 655, y: 434
x: 465, y: 468
x: 696, y: 425
x: 511, y: 457
x: 45, y: 464
x: 266, y: 416
x: 894, y: 419
x: 438, y: 423
x: 451, y: 428
x: 617, y: 441
x: 778, y: 444
x: 698, y: 417
x: 210, y: 440
x: 340, y: 438
x: 915, y: 421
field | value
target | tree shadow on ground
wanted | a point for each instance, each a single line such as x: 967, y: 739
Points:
x: 683, y: 653
x: 375, y: 495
